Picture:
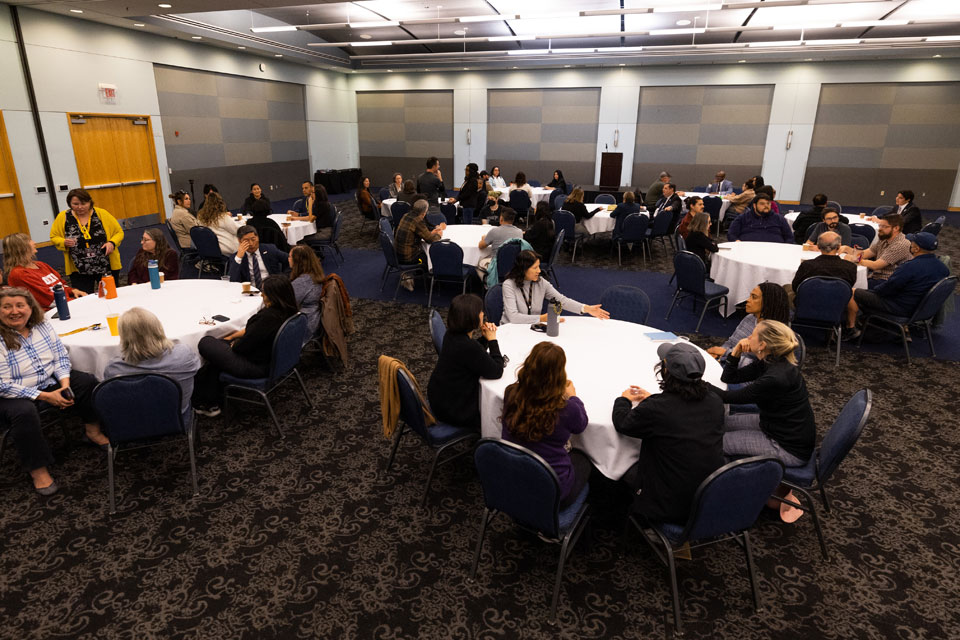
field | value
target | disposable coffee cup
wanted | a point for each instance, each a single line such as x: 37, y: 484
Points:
x: 245, y: 286
x: 161, y: 277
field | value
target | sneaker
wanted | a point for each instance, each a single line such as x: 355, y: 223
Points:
x: 407, y: 283
x: 850, y: 334
x: 210, y: 412
x: 48, y: 490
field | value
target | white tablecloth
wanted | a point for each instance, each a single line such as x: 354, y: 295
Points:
x: 385, y: 207
x: 180, y: 305
x: 297, y: 230
x: 792, y: 216
x: 601, y: 221
x: 540, y: 194
x: 724, y: 204
x: 468, y: 236
x: 604, y: 357
x: 741, y: 266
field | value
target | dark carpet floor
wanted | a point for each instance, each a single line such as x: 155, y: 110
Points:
x: 309, y: 537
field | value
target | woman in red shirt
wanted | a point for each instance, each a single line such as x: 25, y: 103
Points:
x: 38, y: 278
x: 153, y: 246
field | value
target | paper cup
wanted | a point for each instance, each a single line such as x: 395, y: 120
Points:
x: 112, y: 319
x: 246, y: 287
x: 161, y: 277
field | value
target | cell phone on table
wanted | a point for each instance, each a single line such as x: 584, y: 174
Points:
x: 221, y: 318
x: 539, y: 326
x: 67, y: 394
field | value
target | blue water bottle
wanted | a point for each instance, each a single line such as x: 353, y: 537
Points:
x: 154, y: 270
x: 60, y: 297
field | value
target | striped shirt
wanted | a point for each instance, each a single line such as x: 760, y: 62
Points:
x: 40, y: 362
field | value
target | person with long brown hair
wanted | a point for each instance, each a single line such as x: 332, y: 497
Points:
x: 39, y: 278
x: 182, y: 220
x: 215, y: 216
x: 541, y: 411
x: 153, y: 246
x: 306, y: 276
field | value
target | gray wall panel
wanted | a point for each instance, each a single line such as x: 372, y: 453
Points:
x: 288, y: 151
x: 666, y: 153
x: 244, y: 130
x: 234, y: 182
x: 670, y: 114
x: 732, y: 134
x: 571, y: 132
x: 286, y: 111
x: 922, y: 135
x: 188, y: 104
x: 854, y: 113
x: 514, y: 114
x: 191, y: 156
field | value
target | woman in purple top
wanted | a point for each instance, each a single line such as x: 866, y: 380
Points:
x: 541, y: 411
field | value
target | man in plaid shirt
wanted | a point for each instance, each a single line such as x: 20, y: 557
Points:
x: 35, y: 373
x: 411, y: 230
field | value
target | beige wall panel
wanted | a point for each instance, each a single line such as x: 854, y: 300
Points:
x: 528, y: 98
x: 287, y: 130
x: 440, y: 149
x: 668, y: 133
x: 438, y: 115
x: 192, y: 131
x: 904, y: 158
x: 720, y: 155
x: 513, y: 133
x: 283, y: 92
x: 243, y: 108
x: 735, y: 114
x: 379, y: 100
x: 560, y: 151
x: 849, y: 135
x: 183, y: 81
x: 946, y: 114
x: 247, y: 153
x: 652, y: 96
x: 858, y: 94
x: 560, y: 114
x: 374, y: 131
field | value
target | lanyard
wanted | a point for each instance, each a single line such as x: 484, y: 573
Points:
x: 528, y: 297
x: 85, y: 230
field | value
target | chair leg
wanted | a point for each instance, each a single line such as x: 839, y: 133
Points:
x: 556, y: 581
x: 929, y: 330
x: 396, y: 445
x: 812, y: 508
x: 426, y: 488
x: 303, y: 388
x: 702, y: 313
x: 273, y: 415
x: 837, y: 336
x: 670, y: 310
x: 906, y: 345
x: 826, y: 501
x: 484, y: 521
x: 619, y: 256
x: 110, y: 455
x: 193, y: 463
x: 752, y: 570
x: 674, y: 591
x: 397, y: 288
x: 430, y: 296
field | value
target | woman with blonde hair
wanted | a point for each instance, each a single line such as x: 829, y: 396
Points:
x: 574, y: 204
x: 541, y: 411
x: 306, y: 276
x: 145, y: 348
x: 215, y: 216
x: 39, y: 278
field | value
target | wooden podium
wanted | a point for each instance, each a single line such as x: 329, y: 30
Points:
x: 611, y: 164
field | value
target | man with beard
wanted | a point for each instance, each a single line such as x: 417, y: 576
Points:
x: 891, y: 250
x: 757, y: 224
x: 829, y: 222
x: 801, y: 226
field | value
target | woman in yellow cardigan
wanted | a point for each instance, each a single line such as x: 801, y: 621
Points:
x: 89, y: 238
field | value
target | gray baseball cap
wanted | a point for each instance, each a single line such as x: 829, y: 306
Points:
x: 683, y: 360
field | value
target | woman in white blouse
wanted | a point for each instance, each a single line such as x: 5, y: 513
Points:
x: 214, y: 215
x: 496, y: 181
x: 524, y: 292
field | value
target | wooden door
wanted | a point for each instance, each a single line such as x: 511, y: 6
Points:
x: 117, y: 163
x: 12, y: 217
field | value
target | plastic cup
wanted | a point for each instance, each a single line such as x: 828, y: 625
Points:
x: 245, y: 286
x: 161, y: 277
x: 112, y: 323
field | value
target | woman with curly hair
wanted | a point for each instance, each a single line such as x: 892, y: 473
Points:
x: 541, y: 411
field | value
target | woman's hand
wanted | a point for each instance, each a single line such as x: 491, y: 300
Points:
x: 570, y: 390
x: 716, y: 352
x: 635, y: 394
x: 742, y: 347
x: 78, y: 294
x: 543, y: 318
x: 596, y: 311
x: 489, y: 330
x: 55, y: 398
x: 108, y: 247
x: 70, y: 242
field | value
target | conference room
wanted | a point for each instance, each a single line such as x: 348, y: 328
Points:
x: 400, y: 295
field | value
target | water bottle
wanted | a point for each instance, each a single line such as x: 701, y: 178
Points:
x: 60, y: 297
x: 154, y: 270
x: 553, y: 322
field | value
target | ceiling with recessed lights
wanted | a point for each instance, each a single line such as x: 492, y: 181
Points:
x: 377, y: 35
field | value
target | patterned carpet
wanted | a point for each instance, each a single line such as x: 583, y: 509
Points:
x: 308, y: 537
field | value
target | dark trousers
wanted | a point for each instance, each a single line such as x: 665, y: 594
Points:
x: 582, y: 468
x: 220, y: 358
x: 89, y: 283
x: 23, y: 418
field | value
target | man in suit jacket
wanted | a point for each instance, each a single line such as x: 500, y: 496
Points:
x: 912, y: 220
x: 721, y: 186
x: 255, y: 261
x: 669, y: 203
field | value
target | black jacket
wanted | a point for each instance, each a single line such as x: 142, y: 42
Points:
x: 701, y: 245
x: 912, y: 220
x: 256, y: 206
x: 801, y: 226
x: 256, y: 344
x: 541, y: 236
x: 454, y: 387
x: 826, y: 266
x: 578, y: 209
x: 431, y: 186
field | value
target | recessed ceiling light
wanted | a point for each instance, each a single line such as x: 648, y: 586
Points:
x: 196, y: 38
x: 566, y: 66
x: 808, y: 59
x: 242, y: 48
x: 682, y: 23
x: 460, y: 32
x: 466, y: 68
x: 741, y: 61
x: 278, y: 55
x: 76, y: 10
x: 365, y: 36
x: 164, y: 5
x: 622, y: 64
x: 938, y: 56
x: 139, y: 24
x: 515, y: 67
x: 389, y: 70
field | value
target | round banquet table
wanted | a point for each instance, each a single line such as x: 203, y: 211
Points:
x: 791, y: 217
x: 385, y: 207
x: 604, y: 357
x: 179, y: 304
x: 540, y: 194
x: 602, y: 222
x: 297, y: 230
x: 741, y: 266
x: 468, y: 237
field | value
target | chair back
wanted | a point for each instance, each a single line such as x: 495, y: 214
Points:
x: 712, y: 205
x: 397, y: 210
x: 520, y: 201
x: 555, y: 251
x: 675, y: 221
x: 128, y: 414
x: 932, y: 227
x: 493, y: 304
x: 437, y: 329
x: 386, y: 227
x: 519, y: 483
x: 882, y: 211
x: 337, y: 227
x: 604, y: 198
x: 436, y: 219
x: 691, y: 272
x: 865, y: 230
x: 732, y: 497
x: 629, y: 304
x: 297, y: 203
x: 565, y: 221
x: 700, y: 188
x: 286, y: 346
x: 533, y: 183
x: 269, y: 232
x: 384, y: 194
x: 205, y: 240
x: 800, y: 353
x: 681, y: 243
x: 175, y: 241
x: 446, y: 259
x: 389, y: 252
x: 506, y: 256
x: 661, y: 225
x: 466, y: 213
x: 843, y: 434
x: 822, y: 300
x: 933, y: 300
x: 449, y: 212
x: 411, y: 407
x: 554, y: 202
x: 633, y: 228
x: 859, y: 242
x: 836, y: 205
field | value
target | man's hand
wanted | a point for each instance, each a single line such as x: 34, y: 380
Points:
x: 242, y: 249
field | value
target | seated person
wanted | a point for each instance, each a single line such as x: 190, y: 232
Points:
x: 830, y: 222
x: 542, y: 234
x: 698, y: 240
x: 454, y: 387
x: 625, y: 208
x: 828, y: 264
x: 520, y: 182
x: 214, y: 215
x: 153, y: 246
x: 496, y: 180
x: 558, y: 182
x: 767, y: 301
x: 891, y: 250
x: 411, y: 233
x: 806, y: 219
x: 720, y: 186
x: 145, y: 348
x: 409, y: 193
x: 396, y: 187
x: 245, y: 353
x: 669, y: 203
x: 682, y: 432
x: 35, y: 372
x: 912, y: 220
x: 492, y: 207
x: 770, y: 191
x: 366, y: 200
x: 694, y: 206
x: 253, y: 261
x: 321, y: 212
x: 182, y: 220
x: 901, y: 293
x: 24, y: 271
x: 541, y: 411
x: 256, y: 203
x: 739, y: 202
x: 499, y: 234
x: 524, y: 292
x: 306, y: 276
x: 784, y: 427
x: 574, y: 204
x: 760, y: 224
x: 301, y: 208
